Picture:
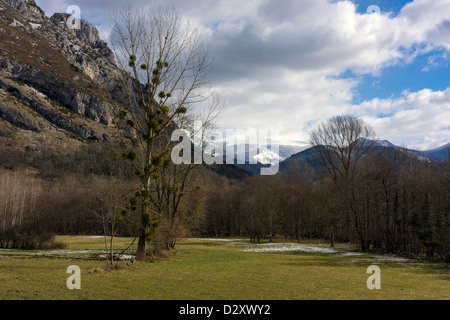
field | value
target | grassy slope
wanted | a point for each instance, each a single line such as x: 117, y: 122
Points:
x: 212, y: 271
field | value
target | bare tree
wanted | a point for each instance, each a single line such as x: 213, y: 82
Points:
x: 18, y: 197
x: 341, y: 143
x: 167, y: 67
x: 108, y: 196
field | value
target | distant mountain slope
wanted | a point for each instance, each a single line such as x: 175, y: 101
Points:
x: 304, y: 157
x: 440, y: 153
x: 307, y: 156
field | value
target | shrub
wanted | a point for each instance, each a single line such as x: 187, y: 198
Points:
x: 28, y: 240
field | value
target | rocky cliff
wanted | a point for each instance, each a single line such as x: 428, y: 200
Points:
x: 87, y: 32
x: 27, y: 8
x: 56, y: 84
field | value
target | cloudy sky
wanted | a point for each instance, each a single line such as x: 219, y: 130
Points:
x: 290, y: 64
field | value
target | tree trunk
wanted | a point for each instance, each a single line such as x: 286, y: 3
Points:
x: 141, y: 246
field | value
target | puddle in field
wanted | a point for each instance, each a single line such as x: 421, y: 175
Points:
x: 101, y: 253
x: 384, y: 257
x: 295, y: 247
x: 71, y: 251
x: 218, y: 239
x: 120, y: 257
x: 88, y: 237
x: 52, y: 251
x: 221, y: 240
x: 92, y: 237
x: 351, y: 254
x: 284, y: 247
x: 390, y: 257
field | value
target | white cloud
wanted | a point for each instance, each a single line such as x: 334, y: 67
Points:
x: 288, y: 101
x: 422, y: 118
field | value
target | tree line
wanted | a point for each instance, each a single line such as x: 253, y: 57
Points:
x: 403, y: 208
x: 398, y: 203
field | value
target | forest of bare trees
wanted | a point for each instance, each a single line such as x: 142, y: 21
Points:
x: 387, y: 201
x: 402, y: 203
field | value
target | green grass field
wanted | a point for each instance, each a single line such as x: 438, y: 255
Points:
x: 218, y: 270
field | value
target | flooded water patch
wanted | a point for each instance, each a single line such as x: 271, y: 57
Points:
x: 309, y: 248
x: 218, y: 239
x: 119, y: 256
x: 286, y: 247
x: 82, y: 236
x: 71, y: 251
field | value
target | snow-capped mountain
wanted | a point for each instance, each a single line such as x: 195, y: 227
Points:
x: 385, y: 143
x: 266, y: 155
x: 290, y: 154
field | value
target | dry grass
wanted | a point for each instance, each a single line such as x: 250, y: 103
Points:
x: 220, y: 271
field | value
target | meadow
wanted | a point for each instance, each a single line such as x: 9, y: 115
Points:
x: 220, y: 269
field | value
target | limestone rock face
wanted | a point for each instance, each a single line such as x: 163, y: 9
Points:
x: 27, y: 8
x: 87, y: 32
x: 53, y: 77
x: 104, y: 50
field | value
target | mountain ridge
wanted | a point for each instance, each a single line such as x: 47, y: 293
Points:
x: 307, y: 156
x: 56, y: 86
